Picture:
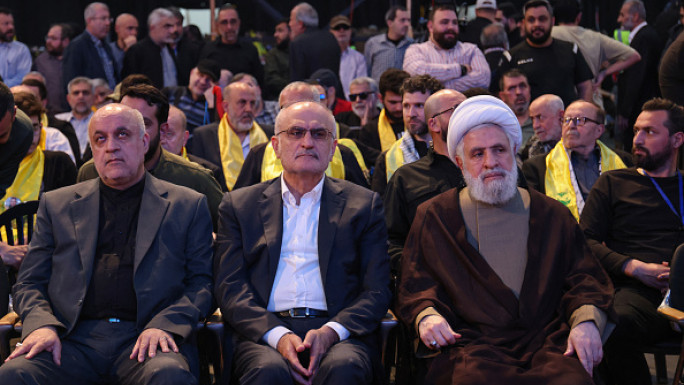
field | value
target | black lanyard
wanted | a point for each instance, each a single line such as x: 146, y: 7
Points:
x: 667, y: 200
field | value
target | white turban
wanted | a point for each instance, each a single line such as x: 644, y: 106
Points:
x: 477, y: 111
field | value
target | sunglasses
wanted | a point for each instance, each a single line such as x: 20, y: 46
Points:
x: 361, y: 95
x: 341, y: 27
x: 445, y: 111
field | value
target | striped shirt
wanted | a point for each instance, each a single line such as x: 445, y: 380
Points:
x: 445, y: 65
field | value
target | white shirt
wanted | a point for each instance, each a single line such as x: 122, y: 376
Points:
x: 636, y: 30
x: 245, y: 146
x: 80, y: 126
x: 56, y: 141
x: 298, y: 281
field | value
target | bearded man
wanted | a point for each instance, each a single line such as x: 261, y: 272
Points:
x: 455, y: 64
x: 632, y: 226
x: 489, y: 292
x: 552, y: 66
x: 228, y: 143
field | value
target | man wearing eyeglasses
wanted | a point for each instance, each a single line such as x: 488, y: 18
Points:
x: 425, y: 178
x: 571, y: 168
x: 302, y: 272
x: 232, y: 53
x: 352, y: 62
x: 49, y: 63
x: 90, y: 54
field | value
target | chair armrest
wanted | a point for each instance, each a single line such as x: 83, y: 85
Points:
x: 9, y: 319
x: 672, y: 314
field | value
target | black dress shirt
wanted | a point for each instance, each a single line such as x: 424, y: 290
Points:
x: 111, y: 293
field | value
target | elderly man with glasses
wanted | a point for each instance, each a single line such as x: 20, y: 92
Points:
x: 570, y: 169
x: 302, y: 272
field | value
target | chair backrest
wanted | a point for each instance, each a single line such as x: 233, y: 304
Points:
x: 15, y: 218
x: 677, y: 279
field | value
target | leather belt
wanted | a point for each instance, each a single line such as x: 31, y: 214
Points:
x: 302, y: 312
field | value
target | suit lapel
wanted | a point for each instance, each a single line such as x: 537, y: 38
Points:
x: 85, y: 215
x: 271, y: 211
x: 152, y: 210
x: 332, y: 204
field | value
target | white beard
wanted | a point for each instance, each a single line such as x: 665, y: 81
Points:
x: 495, y: 192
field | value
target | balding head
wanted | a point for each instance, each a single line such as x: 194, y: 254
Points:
x: 304, y: 141
x: 438, y: 109
x: 240, y: 103
x: 546, y: 112
x: 298, y: 92
x: 119, y: 143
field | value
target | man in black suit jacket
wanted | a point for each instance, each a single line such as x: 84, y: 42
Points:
x: 89, y: 54
x: 577, y: 160
x: 310, y: 48
x: 301, y: 265
x: 147, y: 56
x: 638, y: 83
x: 118, y: 272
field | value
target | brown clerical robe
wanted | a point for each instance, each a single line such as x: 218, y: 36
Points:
x: 504, y: 340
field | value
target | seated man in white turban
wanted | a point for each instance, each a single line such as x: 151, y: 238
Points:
x: 492, y: 295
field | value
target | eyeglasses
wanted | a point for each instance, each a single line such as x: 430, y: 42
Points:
x: 445, y: 111
x: 579, y: 120
x: 297, y: 133
x: 361, y: 95
x: 341, y: 27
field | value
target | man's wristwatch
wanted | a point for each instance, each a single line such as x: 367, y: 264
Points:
x: 464, y: 70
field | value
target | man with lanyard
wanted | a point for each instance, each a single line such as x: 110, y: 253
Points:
x: 570, y: 169
x: 262, y: 163
x: 413, y: 144
x: 633, y: 221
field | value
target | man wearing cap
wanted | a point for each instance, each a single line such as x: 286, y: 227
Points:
x: 310, y: 48
x: 571, y: 168
x: 485, y: 14
x: 332, y: 96
x: 232, y: 53
x: 457, y: 65
x: 352, y: 63
x: 192, y: 100
x: 493, y: 297
x: 152, y: 56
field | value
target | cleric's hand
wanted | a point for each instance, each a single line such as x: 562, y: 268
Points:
x: 435, y: 332
x: 585, y: 341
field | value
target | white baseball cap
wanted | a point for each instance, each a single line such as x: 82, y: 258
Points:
x: 491, y: 4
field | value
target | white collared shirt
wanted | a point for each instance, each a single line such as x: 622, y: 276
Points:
x: 245, y: 146
x: 636, y: 30
x: 80, y: 126
x: 298, y: 281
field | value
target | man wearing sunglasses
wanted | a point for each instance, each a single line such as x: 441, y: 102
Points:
x: 570, y: 169
x: 363, y: 95
x: 352, y: 62
x: 302, y: 272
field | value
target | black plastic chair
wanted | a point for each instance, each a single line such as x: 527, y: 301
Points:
x: 14, y: 218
